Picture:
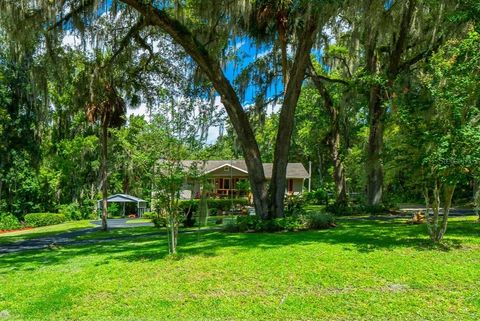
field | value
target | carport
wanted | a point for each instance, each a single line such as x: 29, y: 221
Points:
x: 124, y: 198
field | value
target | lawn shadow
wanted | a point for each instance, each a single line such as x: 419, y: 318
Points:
x: 360, y: 236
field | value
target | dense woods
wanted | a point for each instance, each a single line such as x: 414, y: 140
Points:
x: 382, y: 97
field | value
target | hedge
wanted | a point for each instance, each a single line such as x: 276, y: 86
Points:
x: 310, y: 221
x: 9, y: 222
x: 43, y: 219
x: 217, y: 204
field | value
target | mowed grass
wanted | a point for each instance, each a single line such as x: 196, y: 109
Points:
x: 361, y: 270
x: 44, y: 231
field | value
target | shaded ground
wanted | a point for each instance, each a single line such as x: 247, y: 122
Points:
x: 361, y: 270
x: 454, y: 211
x: 118, y: 230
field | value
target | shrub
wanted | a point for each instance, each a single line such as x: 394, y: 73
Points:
x: 246, y: 223
x: 159, y: 221
x: 149, y: 215
x: 254, y: 223
x: 43, y: 219
x: 9, y: 222
x: 312, y: 221
x: 316, y: 197
x: 318, y: 221
x: 71, y: 211
x: 216, y: 205
x: 342, y: 209
x: 294, y: 205
x: 293, y: 223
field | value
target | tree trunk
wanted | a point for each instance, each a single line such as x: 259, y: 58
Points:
x: 287, y: 114
x: 338, y: 170
x: 374, y: 164
x: 212, y: 69
x: 436, y: 227
x: 104, y: 142
x: 334, y: 139
x: 476, y: 198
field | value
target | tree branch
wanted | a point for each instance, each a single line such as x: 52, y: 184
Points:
x: 83, y: 5
x: 132, y: 33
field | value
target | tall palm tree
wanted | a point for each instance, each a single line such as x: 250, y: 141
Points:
x: 108, y: 108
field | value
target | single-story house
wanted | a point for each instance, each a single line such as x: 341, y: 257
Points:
x: 224, y: 175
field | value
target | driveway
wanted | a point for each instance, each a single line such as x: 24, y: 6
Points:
x: 121, y: 223
x: 67, y: 237
x: 454, y: 211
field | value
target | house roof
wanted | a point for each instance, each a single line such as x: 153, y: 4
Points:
x: 124, y: 198
x: 294, y: 170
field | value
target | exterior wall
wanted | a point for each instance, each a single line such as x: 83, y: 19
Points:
x: 228, y: 171
x: 190, y: 187
x: 298, y: 185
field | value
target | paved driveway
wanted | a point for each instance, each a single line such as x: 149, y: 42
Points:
x: 67, y: 238
x: 121, y: 223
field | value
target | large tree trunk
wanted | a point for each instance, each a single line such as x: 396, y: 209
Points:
x: 212, y: 69
x: 334, y: 139
x: 287, y: 114
x: 374, y: 166
x: 104, y: 142
x: 338, y: 170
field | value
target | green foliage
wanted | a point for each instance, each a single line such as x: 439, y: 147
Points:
x: 252, y: 223
x: 316, y: 197
x: 44, y: 219
x: 114, y: 210
x: 149, y: 215
x: 71, y: 211
x: 9, y: 222
x: 159, y: 221
x: 319, y: 221
x: 214, y: 205
x: 294, y: 205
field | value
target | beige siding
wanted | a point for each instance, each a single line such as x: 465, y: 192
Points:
x: 298, y: 185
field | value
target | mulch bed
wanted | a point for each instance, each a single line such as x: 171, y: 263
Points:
x: 20, y: 229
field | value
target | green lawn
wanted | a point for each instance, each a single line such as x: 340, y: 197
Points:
x: 361, y: 270
x: 44, y: 231
x: 139, y: 220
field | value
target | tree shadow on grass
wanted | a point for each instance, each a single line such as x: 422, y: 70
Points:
x: 360, y: 236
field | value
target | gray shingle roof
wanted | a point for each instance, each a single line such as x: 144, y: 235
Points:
x: 294, y: 170
x: 123, y: 198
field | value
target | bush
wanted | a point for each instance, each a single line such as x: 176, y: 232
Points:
x: 316, y: 197
x: 149, y: 215
x: 318, y: 221
x: 159, y: 221
x: 294, y: 205
x: 342, y: 209
x: 313, y: 221
x: 254, y: 223
x: 9, y: 222
x: 71, y: 211
x: 43, y: 219
x: 216, y: 205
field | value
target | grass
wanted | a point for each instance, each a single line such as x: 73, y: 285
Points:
x: 139, y: 220
x: 361, y: 270
x: 44, y: 231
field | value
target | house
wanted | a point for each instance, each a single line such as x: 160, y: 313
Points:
x: 224, y: 175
